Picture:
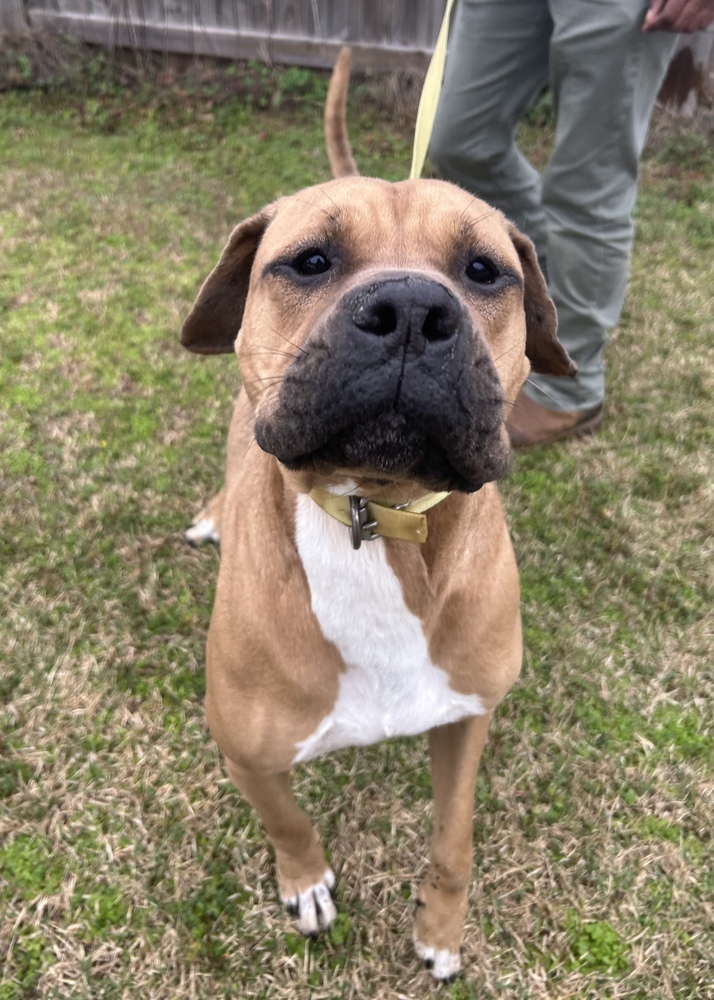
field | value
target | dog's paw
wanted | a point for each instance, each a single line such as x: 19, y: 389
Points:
x: 201, y: 531
x: 441, y: 963
x: 313, y: 909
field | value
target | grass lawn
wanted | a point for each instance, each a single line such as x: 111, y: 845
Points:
x: 129, y: 867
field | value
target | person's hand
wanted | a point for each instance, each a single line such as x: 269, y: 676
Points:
x: 686, y: 16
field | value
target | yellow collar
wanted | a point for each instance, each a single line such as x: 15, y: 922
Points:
x: 368, y: 519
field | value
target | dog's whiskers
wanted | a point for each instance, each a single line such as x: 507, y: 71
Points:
x: 545, y: 392
x: 269, y: 353
x: 333, y: 217
x: 268, y: 379
x: 279, y: 333
x: 514, y: 347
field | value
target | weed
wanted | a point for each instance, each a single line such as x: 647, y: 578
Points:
x: 28, y: 866
x: 596, y: 947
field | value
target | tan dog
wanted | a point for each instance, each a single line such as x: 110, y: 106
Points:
x: 383, y: 330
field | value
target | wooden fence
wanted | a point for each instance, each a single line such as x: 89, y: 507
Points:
x: 383, y: 33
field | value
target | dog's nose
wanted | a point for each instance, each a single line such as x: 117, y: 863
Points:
x: 408, y: 309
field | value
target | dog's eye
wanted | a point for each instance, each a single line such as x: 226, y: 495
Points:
x: 482, y: 271
x: 311, y: 262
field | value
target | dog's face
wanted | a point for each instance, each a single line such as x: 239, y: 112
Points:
x: 384, y: 330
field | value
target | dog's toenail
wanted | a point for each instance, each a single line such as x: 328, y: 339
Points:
x: 292, y: 908
x: 428, y: 963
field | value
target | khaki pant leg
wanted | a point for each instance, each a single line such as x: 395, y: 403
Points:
x: 497, y: 63
x: 605, y: 74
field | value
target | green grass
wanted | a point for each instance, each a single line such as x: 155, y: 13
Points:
x: 128, y: 864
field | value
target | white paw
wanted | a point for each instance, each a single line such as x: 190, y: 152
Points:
x: 442, y: 964
x: 201, y: 531
x: 313, y: 910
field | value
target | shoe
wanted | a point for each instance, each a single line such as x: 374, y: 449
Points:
x: 530, y: 425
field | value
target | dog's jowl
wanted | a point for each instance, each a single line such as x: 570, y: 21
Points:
x: 368, y: 587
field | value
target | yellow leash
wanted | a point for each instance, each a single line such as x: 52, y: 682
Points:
x: 430, y: 97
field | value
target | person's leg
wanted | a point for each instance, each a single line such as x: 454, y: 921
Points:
x: 496, y: 64
x: 605, y: 74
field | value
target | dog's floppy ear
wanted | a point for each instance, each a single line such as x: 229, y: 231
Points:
x: 543, y: 349
x: 215, y: 319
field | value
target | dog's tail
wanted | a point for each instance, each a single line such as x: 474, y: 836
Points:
x: 339, y: 152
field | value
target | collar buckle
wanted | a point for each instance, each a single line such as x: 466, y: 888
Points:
x: 361, y: 529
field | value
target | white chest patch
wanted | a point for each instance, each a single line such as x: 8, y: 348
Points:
x: 390, y: 686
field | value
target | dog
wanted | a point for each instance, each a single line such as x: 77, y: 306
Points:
x: 368, y: 587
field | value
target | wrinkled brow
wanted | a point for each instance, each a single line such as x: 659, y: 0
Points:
x: 468, y: 226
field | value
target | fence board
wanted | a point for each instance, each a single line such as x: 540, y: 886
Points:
x: 384, y: 34
x: 12, y: 16
x: 687, y: 85
x: 226, y: 43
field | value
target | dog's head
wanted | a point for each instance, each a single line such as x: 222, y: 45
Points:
x: 385, y: 330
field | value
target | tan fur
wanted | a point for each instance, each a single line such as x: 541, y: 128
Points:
x: 339, y: 152
x: 272, y: 675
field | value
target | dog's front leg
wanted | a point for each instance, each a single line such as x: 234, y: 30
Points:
x: 443, y: 895
x: 305, y: 880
